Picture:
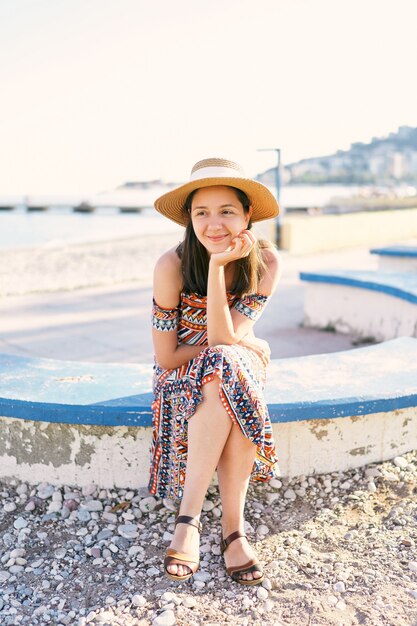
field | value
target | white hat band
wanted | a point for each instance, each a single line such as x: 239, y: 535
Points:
x: 215, y: 172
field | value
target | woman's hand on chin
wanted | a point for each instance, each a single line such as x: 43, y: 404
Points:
x: 240, y: 247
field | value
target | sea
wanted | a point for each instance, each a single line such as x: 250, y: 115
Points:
x: 60, y: 225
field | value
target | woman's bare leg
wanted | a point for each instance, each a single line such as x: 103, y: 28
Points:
x: 233, y: 471
x: 208, y: 431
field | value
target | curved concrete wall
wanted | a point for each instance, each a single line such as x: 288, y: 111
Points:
x: 377, y: 305
x: 80, y: 423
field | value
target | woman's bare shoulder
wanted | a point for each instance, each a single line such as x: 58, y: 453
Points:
x: 169, y: 261
x: 270, y: 254
x: 167, y: 280
x: 272, y: 273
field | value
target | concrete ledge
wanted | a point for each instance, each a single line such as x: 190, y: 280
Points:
x: 377, y: 305
x: 77, y: 423
x: 396, y: 258
x: 306, y: 234
x: 68, y: 392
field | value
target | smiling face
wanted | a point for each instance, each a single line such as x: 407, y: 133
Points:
x: 217, y: 217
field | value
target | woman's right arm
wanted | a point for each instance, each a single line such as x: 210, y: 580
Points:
x: 167, y: 288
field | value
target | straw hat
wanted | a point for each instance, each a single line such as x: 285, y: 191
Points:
x: 210, y: 172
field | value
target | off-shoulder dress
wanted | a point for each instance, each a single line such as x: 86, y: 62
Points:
x: 177, y: 392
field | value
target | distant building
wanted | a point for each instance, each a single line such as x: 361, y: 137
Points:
x: 397, y: 168
x: 383, y: 160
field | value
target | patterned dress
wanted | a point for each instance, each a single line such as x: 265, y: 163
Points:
x: 177, y: 392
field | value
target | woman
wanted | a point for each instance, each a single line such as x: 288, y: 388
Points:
x: 209, y: 412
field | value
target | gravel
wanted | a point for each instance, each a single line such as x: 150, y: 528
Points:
x: 335, y: 552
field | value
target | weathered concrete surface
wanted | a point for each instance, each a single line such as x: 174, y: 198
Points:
x: 321, y: 446
x: 108, y: 456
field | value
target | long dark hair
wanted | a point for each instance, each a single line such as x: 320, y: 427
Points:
x: 195, y: 259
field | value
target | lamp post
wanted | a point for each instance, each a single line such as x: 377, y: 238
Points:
x: 277, y: 184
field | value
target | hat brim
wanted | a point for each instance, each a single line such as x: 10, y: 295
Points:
x: 263, y: 203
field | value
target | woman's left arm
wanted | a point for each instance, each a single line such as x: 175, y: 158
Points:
x: 223, y: 325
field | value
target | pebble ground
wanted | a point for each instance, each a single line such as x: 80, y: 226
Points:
x: 338, y: 549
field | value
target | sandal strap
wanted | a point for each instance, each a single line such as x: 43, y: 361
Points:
x: 191, y: 521
x: 225, y: 543
x: 172, y: 555
x: 190, y: 561
x: 250, y: 566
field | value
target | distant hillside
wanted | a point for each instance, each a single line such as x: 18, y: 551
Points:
x: 384, y: 160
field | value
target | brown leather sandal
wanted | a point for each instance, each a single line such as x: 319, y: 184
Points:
x: 251, y: 566
x: 173, y: 555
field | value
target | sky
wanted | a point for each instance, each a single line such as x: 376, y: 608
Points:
x: 99, y: 92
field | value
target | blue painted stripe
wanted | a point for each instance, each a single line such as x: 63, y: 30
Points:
x: 340, y: 408
x: 401, y: 251
x: 394, y: 284
x: 141, y: 414
x: 93, y: 415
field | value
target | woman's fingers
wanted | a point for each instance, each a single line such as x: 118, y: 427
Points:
x: 266, y: 357
x: 244, y: 243
x: 247, y: 237
x: 266, y: 353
